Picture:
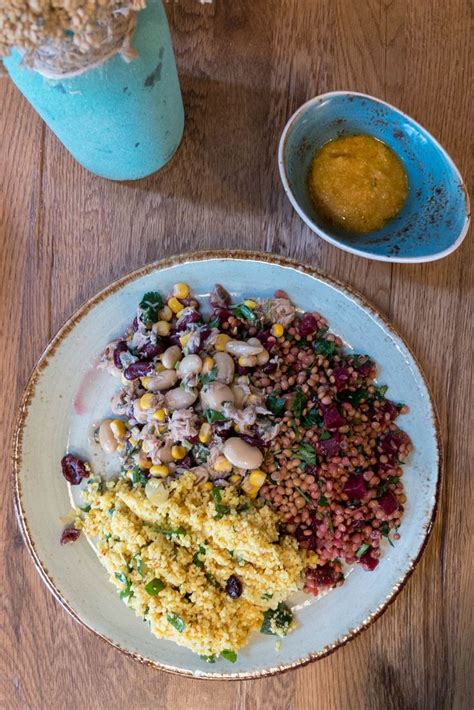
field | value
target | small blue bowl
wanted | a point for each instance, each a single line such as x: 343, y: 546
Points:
x: 435, y: 217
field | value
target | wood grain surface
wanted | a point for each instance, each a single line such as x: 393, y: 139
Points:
x: 244, y: 67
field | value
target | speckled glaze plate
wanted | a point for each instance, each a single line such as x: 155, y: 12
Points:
x: 66, y: 395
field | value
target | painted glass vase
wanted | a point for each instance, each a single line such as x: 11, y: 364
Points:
x: 122, y: 121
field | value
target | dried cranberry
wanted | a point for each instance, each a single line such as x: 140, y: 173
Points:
x: 368, y: 562
x: 269, y: 368
x: 342, y: 377
x: 307, y: 325
x: 388, y: 503
x: 254, y: 441
x: 390, y: 409
x: 151, y: 350
x: 332, y: 418
x: 120, y: 348
x: 74, y: 470
x: 219, y: 297
x: 355, y: 487
x: 329, y: 447
x: 233, y: 587
x: 222, y: 429
x: 69, y: 535
x: 138, y: 369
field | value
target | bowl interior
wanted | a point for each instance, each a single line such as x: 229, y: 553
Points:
x: 434, y: 215
x: 70, y: 395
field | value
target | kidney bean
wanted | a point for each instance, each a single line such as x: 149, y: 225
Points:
x: 121, y: 347
x: 138, y: 369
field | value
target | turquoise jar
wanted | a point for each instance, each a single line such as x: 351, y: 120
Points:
x: 122, y: 121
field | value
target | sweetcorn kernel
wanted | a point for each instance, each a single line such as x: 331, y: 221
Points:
x: 181, y: 290
x: 207, y: 486
x: 207, y: 365
x: 162, y: 328
x: 249, y: 361
x: 132, y: 441
x: 250, y: 304
x: 178, y: 452
x: 175, y: 305
x: 118, y: 428
x: 145, y: 381
x: 165, y: 314
x: 235, y: 478
x: 257, y: 477
x: 222, y: 465
x: 159, y: 470
x: 277, y: 330
x: 159, y: 367
x: 221, y: 341
x: 251, y: 491
x: 147, y: 401
x: 159, y: 415
x: 184, y: 340
x: 205, y: 433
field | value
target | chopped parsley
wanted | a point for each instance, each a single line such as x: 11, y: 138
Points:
x: 208, y: 659
x: 209, y: 377
x: 311, y: 419
x: 169, y: 534
x: 84, y: 508
x: 177, y: 622
x: 154, y: 587
x: 277, y: 621
x: 323, y: 501
x: 126, y: 593
x: 212, y: 415
x: 355, y: 398
x: 298, y: 403
x: 276, y: 404
x: 150, y: 305
x: 266, y: 596
x: 244, y: 312
x: 221, y: 509
x: 324, y: 436
x: 196, y: 557
x: 362, y: 550
x: 324, y: 347
x: 306, y: 453
x: 385, y: 530
x: 380, y: 392
x: 305, y: 496
x: 138, y: 476
x: 229, y: 655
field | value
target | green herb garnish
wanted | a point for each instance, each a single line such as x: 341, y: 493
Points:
x: 324, y: 347
x: 311, y: 419
x: 355, y: 398
x: 209, y: 377
x: 127, y: 592
x: 275, y: 404
x: 303, y: 495
x: 140, y: 565
x: 385, y: 530
x: 150, y: 305
x: 380, y: 392
x: 196, y: 559
x: 154, y: 586
x: 212, y: 415
x: 244, y: 312
x: 221, y: 510
x: 229, y: 655
x: 324, y: 436
x: 362, y: 550
x: 138, y: 476
x: 298, y: 403
x: 279, y: 619
x: 84, y: 508
x: 323, y: 501
x: 208, y: 659
x: 177, y: 622
x: 201, y: 453
x: 169, y: 534
x: 266, y: 596
x: 306, y: 453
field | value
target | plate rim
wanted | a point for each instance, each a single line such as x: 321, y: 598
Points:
x: 28, y: 394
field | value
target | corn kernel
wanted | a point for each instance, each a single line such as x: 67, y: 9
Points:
x: 178, y: 452
x: 249, y: 361
x: 184, y: 340
x: 207, y: 486
x: 175, y: 305
x: 257, y: 478
x: 118, y: 428
x: 254, y: 399
x: 165, y: 314
x: 205, y: 433
x: 250, y: 490
x: 236, y: 428
x: 162, y: 328
x: 221, y: 341
x: 235, y: 478
x: 159, y: 415
x: 207, y: 365
x: 250, y: 304
x: 159, y: 367
x: 222, y: 465
x: 159, y: 470
x: 145, y: 381
x: 132, y: 441
x: 181, y: 290
x: 278, y: 330
x: 147, y: 401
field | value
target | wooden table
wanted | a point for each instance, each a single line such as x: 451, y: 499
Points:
x: 245, y: 66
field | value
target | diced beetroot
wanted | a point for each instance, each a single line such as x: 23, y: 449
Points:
x: 69, y: 535
x: 388, y: 503
x: 121, y: 347
x: 323, y: 575
x: 74, y: 470
x: 332, y: 418
x: 342, y: 377
x: 138, y: 369
x: 355, y: 487
x: 368, y: 562
x: 307, y: 325
x: 390, y: 409
x: 329, y: 447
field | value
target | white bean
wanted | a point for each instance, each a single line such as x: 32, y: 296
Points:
x: 162, y: 380
x: 107, y: 439
x: 243, y: 349
x: 225, y: 367
x: 171, y: 356
x: 156, y: 492
x: 189, y: 366
x: 215, y: 394
x: 263, y: 357
x: 241, y: 454
x: 239, y: 396
x: 180, y: 398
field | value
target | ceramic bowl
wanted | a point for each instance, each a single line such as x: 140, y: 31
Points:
x: 67, y: 395
x: 435, y: 217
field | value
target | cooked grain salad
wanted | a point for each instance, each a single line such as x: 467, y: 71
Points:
x: 258, y: 457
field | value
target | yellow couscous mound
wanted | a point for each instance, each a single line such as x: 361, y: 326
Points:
x: 171, y: 562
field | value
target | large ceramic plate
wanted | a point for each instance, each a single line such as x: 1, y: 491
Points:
x: 66, y: 394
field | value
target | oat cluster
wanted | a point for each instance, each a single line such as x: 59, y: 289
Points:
x: 85, y: 24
